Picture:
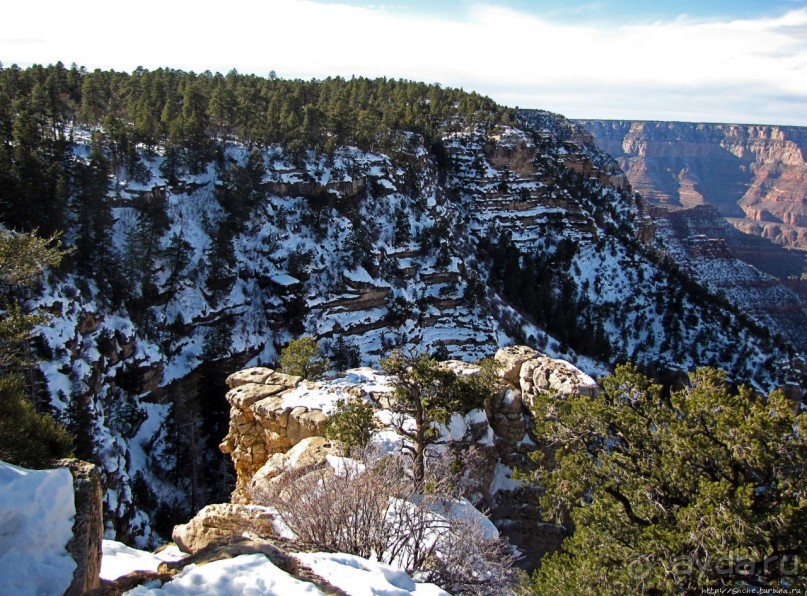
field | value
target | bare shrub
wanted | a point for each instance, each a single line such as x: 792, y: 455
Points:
x: 366, y: 506
x: 455, y: 473
x: 343, y: 509
x: 469, y: 562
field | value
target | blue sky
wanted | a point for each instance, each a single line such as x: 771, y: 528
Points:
x: 603, y: 10
x: 707, y: 61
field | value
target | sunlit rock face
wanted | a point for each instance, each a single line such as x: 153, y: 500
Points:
x: 755, y: 175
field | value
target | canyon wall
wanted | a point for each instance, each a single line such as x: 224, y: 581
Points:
x: 756, y: 176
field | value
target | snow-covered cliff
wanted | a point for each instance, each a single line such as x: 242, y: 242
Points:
x: 487, y: 239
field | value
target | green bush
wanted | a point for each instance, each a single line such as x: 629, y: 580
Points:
x: 352, y: 423
x: 701, y: 488
x: 302, y: 357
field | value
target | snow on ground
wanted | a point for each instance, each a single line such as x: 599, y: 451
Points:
x: 502, y: 479
x: 120, y: 559
x: 247, y: 575
x: 386, y: 441
x: 359, y: 274
x: 345, y: 466
x: 360, y: 577
x: 36, y: 522
x: 285, y: 280
x: 255, y: 574
x: 462, y: 510
x: 324, y: 395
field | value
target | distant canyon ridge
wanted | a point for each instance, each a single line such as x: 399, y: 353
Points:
x: 755, y: 176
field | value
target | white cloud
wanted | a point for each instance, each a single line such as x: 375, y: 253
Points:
x: 740, y: 70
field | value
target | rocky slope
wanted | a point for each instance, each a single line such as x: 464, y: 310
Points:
x: 754, y: 176
x: 521, y: 233
x: 714, y: 253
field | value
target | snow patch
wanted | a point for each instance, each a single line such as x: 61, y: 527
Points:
x: 502, y: 479
x: 37, y: 509
x: 120, y: 559
x: 247, y: 575
x: 359, y: 577
x: 285, y: 280
x: 359, y: 274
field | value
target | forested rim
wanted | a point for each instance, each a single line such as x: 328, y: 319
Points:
x: 182, y: 112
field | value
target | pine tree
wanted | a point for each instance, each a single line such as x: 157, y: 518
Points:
x: 427, y: 394
x: 27, y: 438
x: 345, y: 354
x: 221, y: 260
x: 703, y: 487
x: 303, y: 357
x: 177, y: 255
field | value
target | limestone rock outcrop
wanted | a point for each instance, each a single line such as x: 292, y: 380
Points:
x: 262, y: 424
x: 271, y: 435
x: 270, y: 432
x: 511, y: 359
x: 308, y: 452
x: 525, y: 373
x: 557, y: 376
x: 223, y: 523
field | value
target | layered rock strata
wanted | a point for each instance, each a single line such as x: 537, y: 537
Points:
x: 755, y: 175
x: 733, y: 265
x: 260, y: 423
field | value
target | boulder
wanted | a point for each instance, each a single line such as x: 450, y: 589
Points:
x: 256, y: 374
x: 261, y: 375
x: 524, y: 374
x: 562, y: 378
x: 308, y: 452
x: 510, y: 360
x: 222, y: 520
x: 246, y: 394
x: 305, y: 423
